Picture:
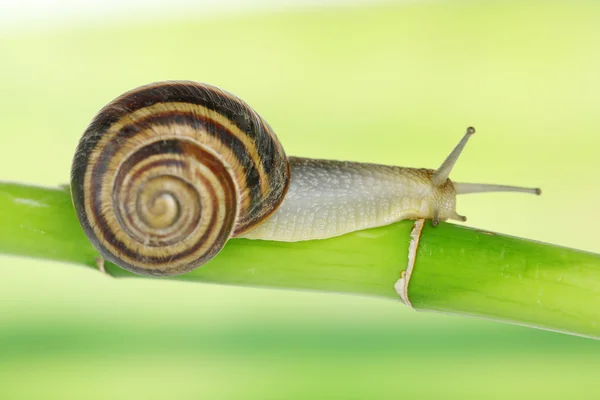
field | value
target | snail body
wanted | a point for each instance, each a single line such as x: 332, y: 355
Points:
x: 165, y: 174
x: 330, y: 198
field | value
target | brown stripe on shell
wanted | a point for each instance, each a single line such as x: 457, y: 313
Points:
x: 128, y: 220
x: 253, y: 175
x: 233, y: 110
x: 157, y: 263
x: 183, y: 133
x: 273, y: 182
x: 129, y: 254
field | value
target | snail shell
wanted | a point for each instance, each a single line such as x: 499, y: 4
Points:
x: 165, y: 174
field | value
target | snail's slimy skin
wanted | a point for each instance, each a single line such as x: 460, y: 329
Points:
x: 330, y: 198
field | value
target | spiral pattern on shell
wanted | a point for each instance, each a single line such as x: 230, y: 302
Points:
x: 167, y: 173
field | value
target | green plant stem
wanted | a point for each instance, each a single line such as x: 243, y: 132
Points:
x: 458, y: 269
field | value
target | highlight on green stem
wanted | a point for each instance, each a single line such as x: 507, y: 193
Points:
x: 457, y: 269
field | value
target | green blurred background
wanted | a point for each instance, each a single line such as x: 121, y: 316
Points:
x: 393, y: 84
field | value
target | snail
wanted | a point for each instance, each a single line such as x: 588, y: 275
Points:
x: 166, y: 173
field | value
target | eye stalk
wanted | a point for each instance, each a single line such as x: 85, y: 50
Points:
x: 442, y: 174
